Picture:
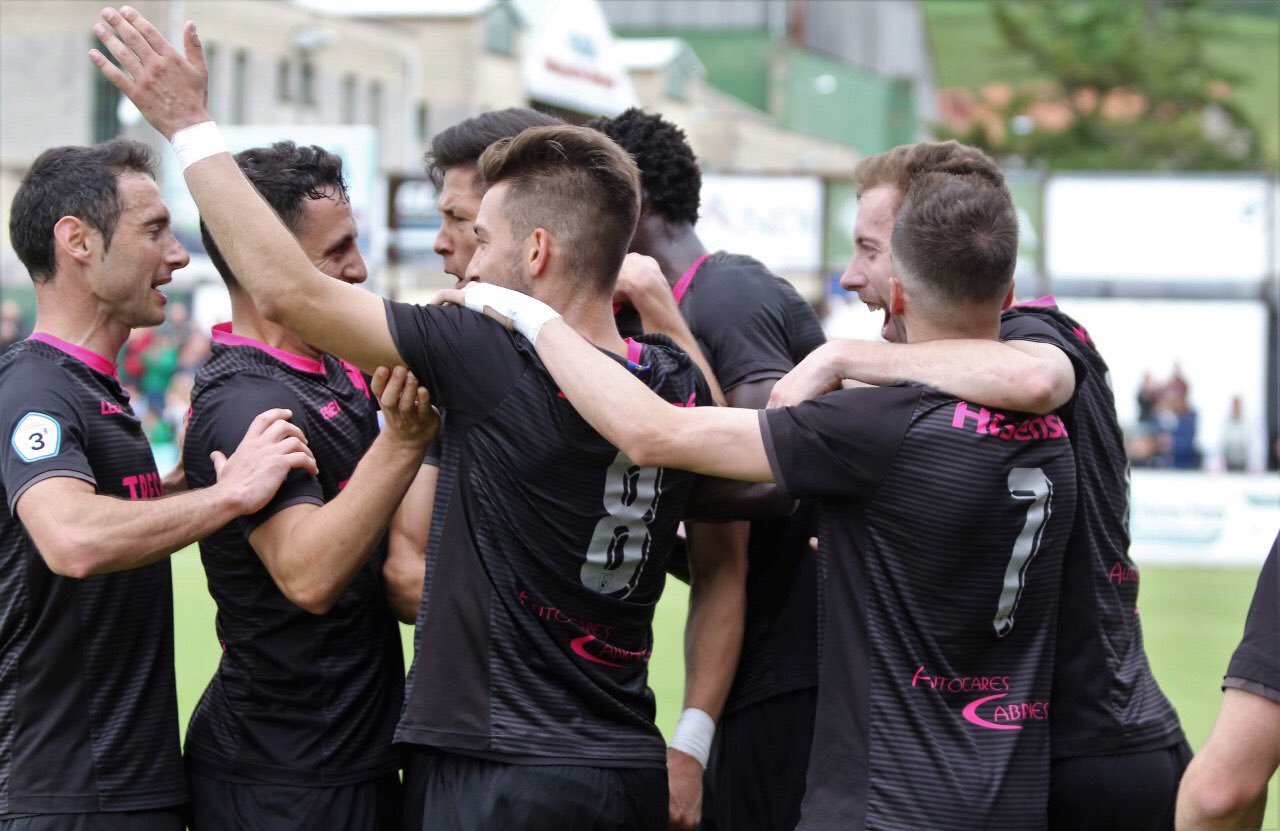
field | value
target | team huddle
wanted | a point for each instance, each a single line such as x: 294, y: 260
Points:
x: 510, y: 468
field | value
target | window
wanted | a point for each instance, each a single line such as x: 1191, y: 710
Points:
x: 375, y: 104
x: 106, y: 102
x: 500, y: 31
x: 283, y: 71
x: 422, y: 122
x: 239, y: 72
x: 307, y: 81
x: 348, y: 100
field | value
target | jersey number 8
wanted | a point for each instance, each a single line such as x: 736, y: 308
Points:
x: 621, y: 541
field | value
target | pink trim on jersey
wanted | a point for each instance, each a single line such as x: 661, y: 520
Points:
x: 682, y: 285
x: 357, y: 379
x: 223, y: 335
x: 633, y: 351
x: 87, y: 356
x: 1046, y: 302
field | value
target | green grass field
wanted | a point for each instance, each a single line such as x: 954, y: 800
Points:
x: 1192, y: 619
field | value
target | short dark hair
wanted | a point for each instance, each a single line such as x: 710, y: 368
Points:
x: 899, y: 167
x: 71, y: 181
x: 669, y: 176
x: 287, y: 176
x: 465, y: 141
x: 956, y: 235
x: 579, y: 185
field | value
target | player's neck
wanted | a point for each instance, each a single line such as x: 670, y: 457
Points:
x: 592, y: 317
x: 676, y: 247
x: 248, y: 323
x: 80, y: 323
x: 919, y: 330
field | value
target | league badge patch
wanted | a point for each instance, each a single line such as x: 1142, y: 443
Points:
x: 36, y: 437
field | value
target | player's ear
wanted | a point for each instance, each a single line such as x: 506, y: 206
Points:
x: 1008, y: 298
x: 538, y: 252
x: 74, y: 238
x: 897, y: 297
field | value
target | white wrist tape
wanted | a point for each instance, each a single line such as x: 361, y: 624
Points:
x: 199, y: 141
x: 526, y: 314
x: 693, y: 735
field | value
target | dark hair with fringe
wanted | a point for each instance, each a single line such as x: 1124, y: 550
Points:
x: 465, y: 141
x: 71, y: 181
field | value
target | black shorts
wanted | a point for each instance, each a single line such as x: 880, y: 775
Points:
x: 231, y: 806
x: 167, y: 820
x: 1126, y: 792
x: 756, y: 775
x: 462, y: 793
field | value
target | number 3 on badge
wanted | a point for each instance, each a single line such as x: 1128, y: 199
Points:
x: 36, y: 437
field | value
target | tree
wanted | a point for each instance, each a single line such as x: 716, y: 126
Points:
x: 1131, y: 89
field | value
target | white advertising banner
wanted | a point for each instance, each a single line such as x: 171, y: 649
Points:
x: 1203, y: 519
x: 1158, y: 228
x: 776, y: 219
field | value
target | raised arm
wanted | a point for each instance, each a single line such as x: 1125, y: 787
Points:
x: 314, y: 551
x: 721, y: 441
x: 1021, y: 375
x: 170, y: 90
x: 80, y: 533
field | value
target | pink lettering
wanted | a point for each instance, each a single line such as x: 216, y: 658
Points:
x: 330, y: 410
x: 1121, y: 574
x: 111, y: 408
x: 963, y: 412
x: 143, y: 486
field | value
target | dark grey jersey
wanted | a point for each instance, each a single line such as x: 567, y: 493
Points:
x: 546, y: 557
x: 1105, y: 698
x: 298, y: 699
x: 941, y: 561
x: 88, y: 705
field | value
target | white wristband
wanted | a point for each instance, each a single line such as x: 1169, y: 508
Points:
x: 526, y: 314
x: 694, y: 732
x: 199, y: 141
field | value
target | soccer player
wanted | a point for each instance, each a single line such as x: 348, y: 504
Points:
x: 528, y: 705
x: 754, y: 328
x: 1118, y: 747
x: 1225, y: 786
x: 452, y: 167
x: 295, y: 728
x: 88, y: 705
x: 945, y: 523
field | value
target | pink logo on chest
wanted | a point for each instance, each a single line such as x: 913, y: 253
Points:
x: 330, y: 410
x: 111, y: 408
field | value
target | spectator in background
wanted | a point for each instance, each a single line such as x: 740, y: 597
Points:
x: 12, y: 327
x: 1148, y: 395
x: 1235, y: 438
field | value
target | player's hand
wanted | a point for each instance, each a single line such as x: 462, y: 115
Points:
x: 808, y: 379
x: 641, y: 280
x: 449, y: 297
x: 170, y: 90
x: 271, y: 447
x: 684, y: 779
x: 406, y: 407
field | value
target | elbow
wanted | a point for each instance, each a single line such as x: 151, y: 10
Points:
x: 1042, y: 392
x: 72, y: 555
x: 1217, y: 802
x: 310, y: 597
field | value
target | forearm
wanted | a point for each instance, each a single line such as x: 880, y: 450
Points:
x: 406, y: 565
x: 989, y: 372
x: 724, y: 500
x: 717, y: 611
x: 323, y: 551
x: 96, y: 534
